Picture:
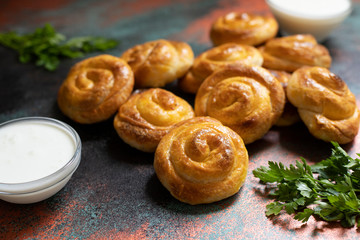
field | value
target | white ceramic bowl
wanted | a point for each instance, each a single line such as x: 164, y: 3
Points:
x: 44, y: 187
x: 316, y: 17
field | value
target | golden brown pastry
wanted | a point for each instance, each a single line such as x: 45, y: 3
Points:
x: 159, y: 62
x: 244, y: 28
x: 148, y: 115
x: 201, y: 161
x: 248, y: 99
x: 292, y: 52
x: 325, y: 104
x: 95, y: 88
x: 228, y: 54
x: 290, y: 114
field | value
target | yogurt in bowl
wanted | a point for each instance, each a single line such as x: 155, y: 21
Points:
x: 316, y: 17
x: 37, y: 158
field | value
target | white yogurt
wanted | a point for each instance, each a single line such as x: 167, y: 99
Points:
x: 33, y: 150
x: 313, y: 8
x: 317, y: 17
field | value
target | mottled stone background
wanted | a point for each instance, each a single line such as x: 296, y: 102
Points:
x: 114, y: 194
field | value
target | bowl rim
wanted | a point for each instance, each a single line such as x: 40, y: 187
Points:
x: 53, y: 178
x: 278, y: 7
x: 20, y: 194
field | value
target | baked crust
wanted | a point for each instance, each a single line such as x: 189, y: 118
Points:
x: 201, y: 161
x: 290, y: 114
x: 248, y: 99
x: 157, y: 63
x: 228, y: 54
x: 148, y: 115
x: 292, y: 52
x: 325, y: 104
x: 95, y: 88
x: 243, y: 28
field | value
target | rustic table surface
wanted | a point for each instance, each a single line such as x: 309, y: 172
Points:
x: 115, y: 194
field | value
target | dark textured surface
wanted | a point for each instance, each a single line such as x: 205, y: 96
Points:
x: 114, y: 193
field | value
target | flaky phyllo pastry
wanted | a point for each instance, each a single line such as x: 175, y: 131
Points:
x: 248, y: 99
x: 201, y: 161
x: 228, y: 54
x: 158, y: 62
x: 325, y: 104
x: 95, y: 88
x: 148, y: 115
x: 292, y: 52
x: 243, y: 28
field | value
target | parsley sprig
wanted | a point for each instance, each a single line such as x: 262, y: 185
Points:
x: 46, y: 47
x: 329, y: 189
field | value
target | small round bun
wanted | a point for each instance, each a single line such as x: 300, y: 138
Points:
x: 243, y: 28
x: 248, y: 99
x: 201, y: 161
x: 95, y: 88
x: 325, y: 104
x: 159, y: 62
x: 148, y: 115
x: 228, y: 54
x: 292, y: 52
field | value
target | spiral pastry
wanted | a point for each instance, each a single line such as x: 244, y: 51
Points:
x: 290, y: 114
x: 243, y: 28
x: 148, y: 115
x: 228, y: 54
x: 292, y: 52
x: 159, y: 62
x: 201, y: 161
x: 95, y: 88
x: 325, y: 104
x: 248, y: 99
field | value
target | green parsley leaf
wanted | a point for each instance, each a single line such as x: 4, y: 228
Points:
x: 304, y: 215
x: 291, y: 207
x: 274, y: 208
x: 45, y: 47
x: 329, y: 189
x: 304, y: 189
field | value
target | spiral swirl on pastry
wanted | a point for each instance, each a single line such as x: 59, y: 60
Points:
x: 228, y: 54
x: 201, y: 161
x: 292, y: 52
x: 95, y: 88
x: 248, y: 99
x: 290, y: 114
x: 148, y: 115
x: 325, y: 104
x: 243, y: 28
x: 159, y: 62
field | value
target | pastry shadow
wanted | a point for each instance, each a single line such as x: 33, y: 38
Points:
x: 174, y: 88
x: 160, y: 196
x: 118, y: 149
x: 258, y: 146
x: 298, y: 140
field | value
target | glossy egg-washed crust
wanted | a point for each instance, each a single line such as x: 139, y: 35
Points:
x: 325, y: 104
x: 228, y: 54
x: 248, y: 99
x: 201, y: 161
x: 290, y: 114
x: 292, y: 52
x: 159, y: 62
x: 95, y: 88
x: 148, y: 115
x: 244, y: 28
